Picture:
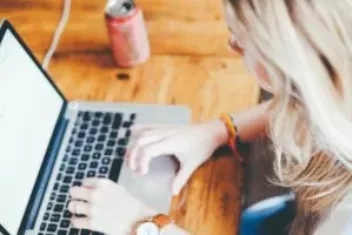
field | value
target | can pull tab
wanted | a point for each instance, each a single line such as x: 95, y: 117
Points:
x: 119, y: 7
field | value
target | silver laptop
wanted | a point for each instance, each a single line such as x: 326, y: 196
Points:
x: 48, y: 144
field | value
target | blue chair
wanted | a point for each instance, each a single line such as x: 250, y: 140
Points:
x: 272, y: 216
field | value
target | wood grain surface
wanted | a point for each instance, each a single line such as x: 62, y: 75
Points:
x: 190, y: 65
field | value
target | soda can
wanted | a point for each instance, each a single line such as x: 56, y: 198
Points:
x: 127, y: 32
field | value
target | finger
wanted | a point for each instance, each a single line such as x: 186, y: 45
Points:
x: 137, y: 129
x: 95, y: 182
x: 154, y: 137
x: 149, y: 153
x: 81, y: 222
x: 81, y: 193
x: 181, y: 179
x: 79, y: 208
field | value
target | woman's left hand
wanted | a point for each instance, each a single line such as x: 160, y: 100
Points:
x: 107, y: 207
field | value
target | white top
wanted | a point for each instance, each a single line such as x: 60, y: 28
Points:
x: 339, y: 222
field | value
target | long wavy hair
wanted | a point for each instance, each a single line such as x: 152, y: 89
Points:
x: 305, y: 47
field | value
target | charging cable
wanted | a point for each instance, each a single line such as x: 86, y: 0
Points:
x: 58, y: 32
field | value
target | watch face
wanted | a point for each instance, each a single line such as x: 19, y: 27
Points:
x: 148, y: 228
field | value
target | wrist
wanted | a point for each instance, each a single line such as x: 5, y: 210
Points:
x: 219, y: 132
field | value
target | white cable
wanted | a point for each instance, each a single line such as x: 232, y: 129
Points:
x: 58, y: 32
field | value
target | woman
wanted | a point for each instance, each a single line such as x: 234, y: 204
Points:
x: 300, y: 51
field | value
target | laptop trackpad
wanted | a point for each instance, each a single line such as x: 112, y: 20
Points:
x: 154, y: 189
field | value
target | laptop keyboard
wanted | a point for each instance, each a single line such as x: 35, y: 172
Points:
x: 96, y: 148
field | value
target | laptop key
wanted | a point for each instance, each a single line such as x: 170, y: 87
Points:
x: 121, y: 151
x: 68, y: 179
x: 52, y: 228
x: 56, y: 186
x: 55, y: 218
x: 76, y: 183
x: 90, y: 139
x: 101, y: 138
x: 86, y: 116
x: 93, y: 131
x: 76, y: 152
x: 93, y: 164
x: 81, y: 134
x: 104, y: 129
x: 99, y: 147
x: 128, y: 133
x: 117, y: 121
x: 115, y: 169
x: 111, y: 143
x: 67, y: 214
x: 64, y: 189
x: 62, y: 167
x: 61, y: 198
x: 123, y: 141
x: 113, y: 134
x: 65, y: 158
x: 108, y: 152
x: 73, y: 161
x: 62, y: 232
x: 98, y: 114
x: 107, y: 119
x: 95, y: 123
x: 65, y: 223
x: 91, y: 174
x: 84, y: 126
x: 50, y: 206
x: 97, y: 233
x: 96, y: 156
x: 42, y: 226
x: 85, y: 157
x: 58, y: 208
x: 106, y: 160
x: 70, y: 170
x: 46, y: 216
x: 127, y: 124
x: 85, y: 232
x: 88, y: 148
x: 133, y: 117
x: 103, y: 170
x: 82, y: 166
x: 52, y: 196
x: 79, y: 175
x: 79, y: 143
x: 74, y: 231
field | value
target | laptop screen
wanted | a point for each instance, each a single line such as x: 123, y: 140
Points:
x: 29, y: 109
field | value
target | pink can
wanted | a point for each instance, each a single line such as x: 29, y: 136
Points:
x: 127, y: 32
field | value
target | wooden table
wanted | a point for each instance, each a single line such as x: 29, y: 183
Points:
x: 190, y: 65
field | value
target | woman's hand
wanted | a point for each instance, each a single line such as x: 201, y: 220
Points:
x: 107, y: 207
x: 191, y: 145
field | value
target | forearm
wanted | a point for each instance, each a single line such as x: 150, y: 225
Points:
x: 251, y: 124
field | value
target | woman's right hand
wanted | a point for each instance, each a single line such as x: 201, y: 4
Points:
x: 192, y: 145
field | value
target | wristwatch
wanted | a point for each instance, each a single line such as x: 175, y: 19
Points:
x: 151, y: 225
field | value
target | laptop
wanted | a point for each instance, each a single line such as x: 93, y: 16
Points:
x: 48, y: 144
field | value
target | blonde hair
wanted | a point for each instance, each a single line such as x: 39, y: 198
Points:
x: 306, y: 48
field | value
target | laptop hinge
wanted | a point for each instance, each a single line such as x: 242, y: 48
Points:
x: 48, y: 163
